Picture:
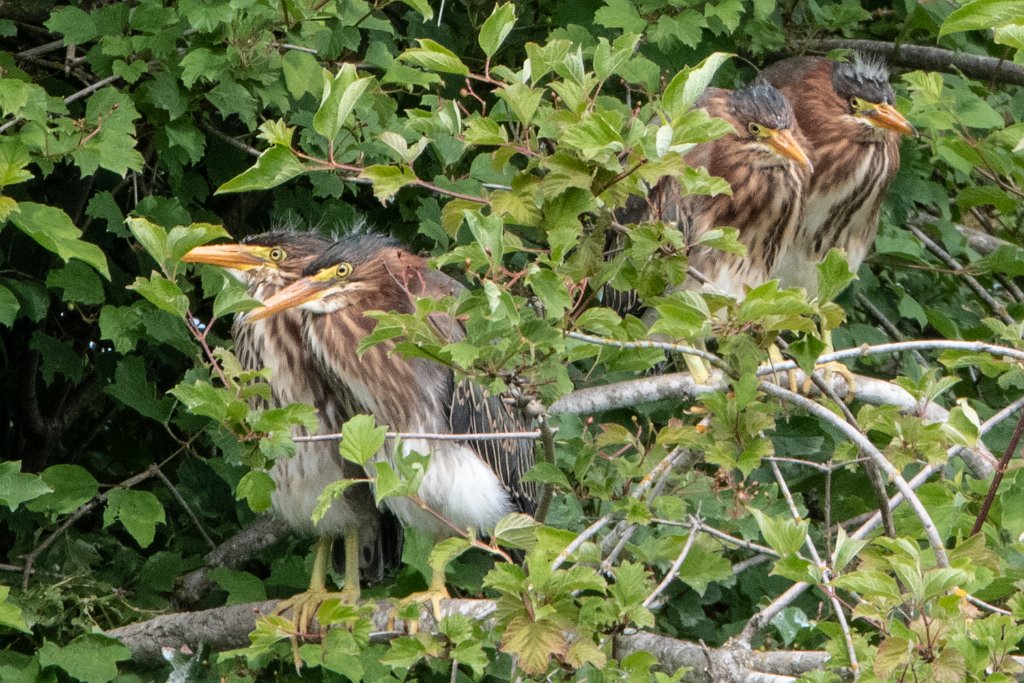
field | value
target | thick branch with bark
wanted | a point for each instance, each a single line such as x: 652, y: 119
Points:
x: 226, y: 628
x: 929, y: 59
x: 232, y: 553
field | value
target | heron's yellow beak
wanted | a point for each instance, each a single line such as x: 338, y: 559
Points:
x: 885, y: 116
x: 237, y: 256
x: 297, y: 293
x: 783, y: 142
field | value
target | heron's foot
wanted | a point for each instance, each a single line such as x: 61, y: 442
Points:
x: 304, y: 606
x: 835, y: 367
x: 432, y: 596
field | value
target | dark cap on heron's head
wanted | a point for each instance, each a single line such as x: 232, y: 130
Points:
x: 762, y: 103
x: 354, y: 249
x: 866, y: 77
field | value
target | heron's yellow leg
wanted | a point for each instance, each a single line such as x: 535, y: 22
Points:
x: 304, y: 605
x: 435, y: 593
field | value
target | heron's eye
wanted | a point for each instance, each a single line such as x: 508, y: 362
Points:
x: 277, y: 254
x: 757, y: 130
x: 343, y: 271
x: 857, y: 104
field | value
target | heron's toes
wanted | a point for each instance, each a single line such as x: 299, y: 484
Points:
x: 835, y: 367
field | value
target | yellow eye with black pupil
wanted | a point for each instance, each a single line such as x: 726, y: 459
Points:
x: 277, y: 254
x: 756, y: 129
x: 344, y: 270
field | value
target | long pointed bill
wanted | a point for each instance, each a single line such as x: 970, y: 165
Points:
x: 237, y: 256
x: 299, y: 292
x: 885, y: 116
x: 783, y: 142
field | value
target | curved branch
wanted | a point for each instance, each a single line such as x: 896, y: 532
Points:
x: 868, y: 448
x: 868, y: 390
x: 930, y: 59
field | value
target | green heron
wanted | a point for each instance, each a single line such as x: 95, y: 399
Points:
x: 846, y: 111
x: 267, y: 263
x: 470, y: 484
x: 765, y: 163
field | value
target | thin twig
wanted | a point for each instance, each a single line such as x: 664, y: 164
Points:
x: 548, y: 441
x: 979, y: 291
x: 826, y: 572
x: 82, y: 511
x: 638, y: 492
x: 673, y: 570
x: 887, y: 325
x: 1004, y: 463
x: 184, y: 504
x: 648, y: 344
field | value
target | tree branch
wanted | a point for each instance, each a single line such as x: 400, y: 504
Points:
x: 226, y: 628
x: 868, y: 390
x: 929, y: 59
x: 232, y: 553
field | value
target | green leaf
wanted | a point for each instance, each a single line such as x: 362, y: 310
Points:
x: 421, y: 6
x: 17, y: 487
x: 869, y: 582
x: 340, y: 95
x: 76, y: 25
x: 242, y: 587
x: 255, y: 488
x: 234, y: 298
x: 275, y: 166
x: 620, y: 14
x: 535, y: 643
x: 138, y: 511
x: 361, y: 439
x: 334, y: 490
x: 71, y: 487
x: 433, y: 56
x: 516, y: 530
x: 202, y: 398
x: 784, y: 535
x: 10, y: 614
x: 162, y: 293
x: 91, y: 658
x: 982, y: 15
x: 54, y: 231
x: 132, y: 387
x: 151, y: 236
x: 183, y: 238
x: 522, y: 100
x: 80, y: 283
x: 14, y: 158
x: 496, y: 28
x: 9, y: 306
x: 833, y: 275
x: 963, y: 425
x: 388, y: 180
x: 689, y: 84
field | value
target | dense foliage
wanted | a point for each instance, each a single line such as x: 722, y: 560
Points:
x: 500, y: 139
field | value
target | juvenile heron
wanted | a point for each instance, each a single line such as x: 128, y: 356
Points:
x: 766, y: 163
x: 470, y: 484
x: 267, y: 263
x: 846, y: 111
